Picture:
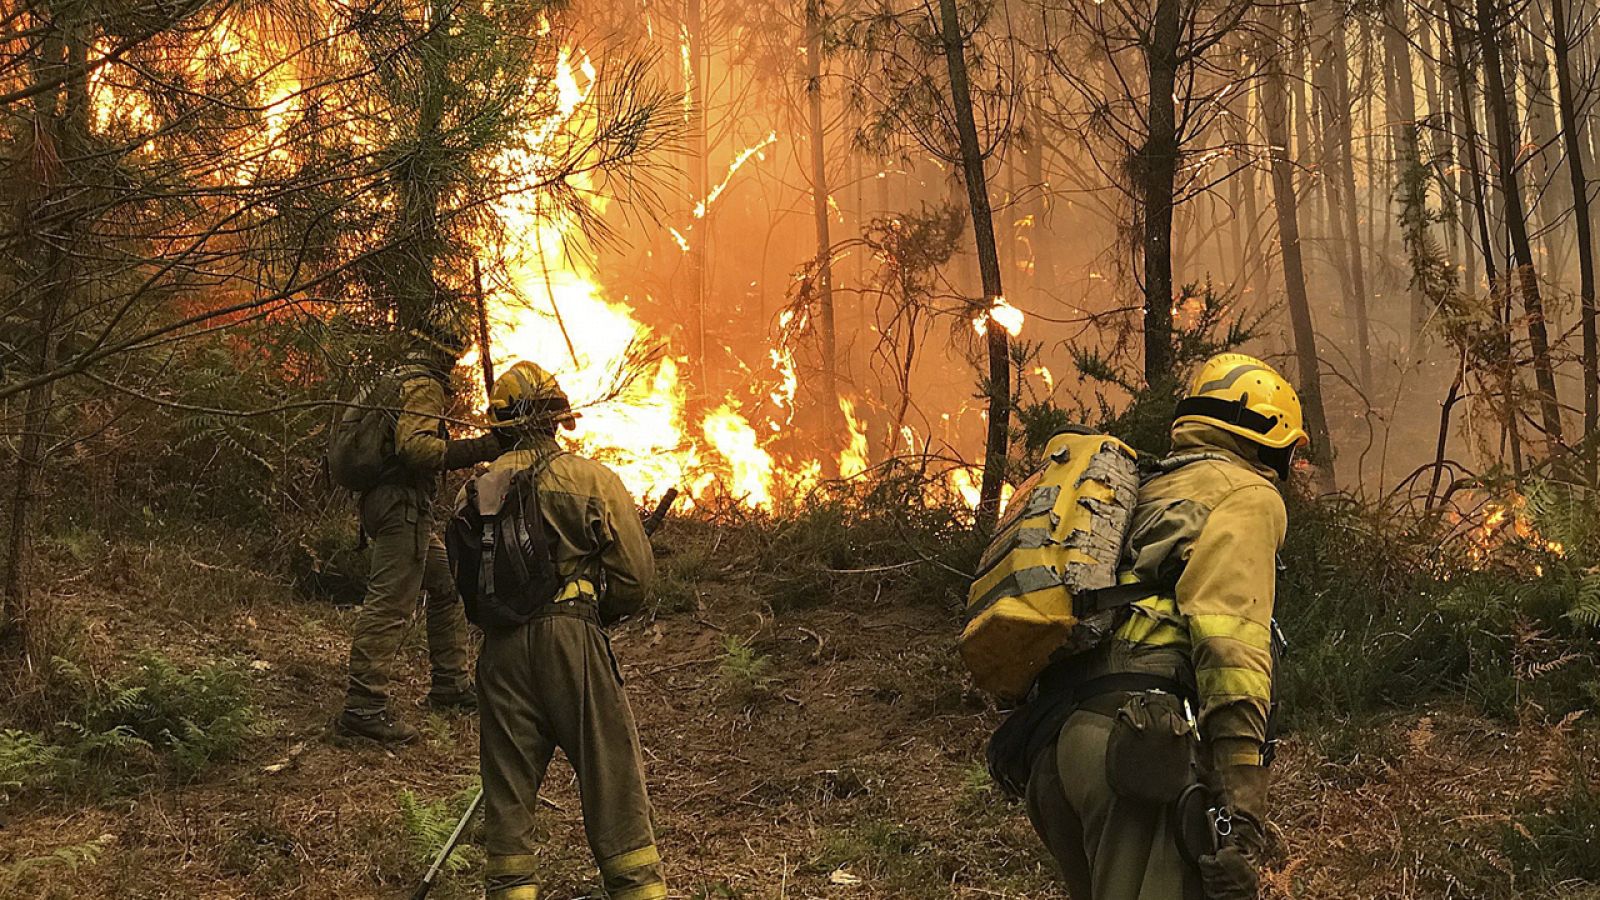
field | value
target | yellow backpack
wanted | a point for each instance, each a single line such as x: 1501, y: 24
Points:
x: 1041, y: 590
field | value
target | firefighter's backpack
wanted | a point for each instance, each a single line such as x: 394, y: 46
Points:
x: 501, y: 548
x: 1047, y: 584
x: 362, y: 439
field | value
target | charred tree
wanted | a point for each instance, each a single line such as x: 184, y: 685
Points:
x: 1333, y: 88
x: 1274, y: 107
x: 54, y: 207
x: 998, y: 384
x: 1155, y: 171
x: 1572, y: 137
x: 694, y: 49
x: 1473, y: 169
x: 819, y: 206
x: 1412, y: 180
x: 1527, y: 279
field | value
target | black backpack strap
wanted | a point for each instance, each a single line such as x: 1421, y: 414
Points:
x: 1090, y: 603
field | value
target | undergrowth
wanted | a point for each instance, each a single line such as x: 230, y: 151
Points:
x: 427, y: 824
x: 156, y: 720
x: 892, y: 532
x: 1381, y: 612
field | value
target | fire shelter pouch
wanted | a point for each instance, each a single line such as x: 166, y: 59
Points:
x: 1149, y: 755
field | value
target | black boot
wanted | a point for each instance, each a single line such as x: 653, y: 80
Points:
x: 462, y: 699
x: 377, y: 726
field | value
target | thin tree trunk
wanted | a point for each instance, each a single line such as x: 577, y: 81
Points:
x: 61, y: 129
x: 1338, y: 152
x: 414, y: 285
x: 1039, y: 239
x: 1156, y: 170
x: 699, y: 187
x: 998, y: 387
x: 819, y: 206
x: 1274, y: 100
x: 1571, y: 132
x: 1517, y: 223
x: 1469, y: 147
x: 1413, y: 181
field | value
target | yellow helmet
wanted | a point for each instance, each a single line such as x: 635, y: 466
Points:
x: 1245, y: 396
x: 527, y: 393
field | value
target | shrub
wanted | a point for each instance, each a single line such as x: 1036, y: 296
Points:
x: 1381, y: 609
x: 743, y: 671
x: 156, y: 719
x: 895, y: 531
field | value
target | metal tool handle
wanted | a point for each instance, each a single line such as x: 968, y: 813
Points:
x: 448, y: 848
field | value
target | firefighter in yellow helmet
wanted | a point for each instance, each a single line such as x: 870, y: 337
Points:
x: 553, y: 681
x: 1107, y: 774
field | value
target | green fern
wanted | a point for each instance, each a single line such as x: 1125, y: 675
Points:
x: 71, y: 858
x: 428, y: 824
x: 1585, y: 608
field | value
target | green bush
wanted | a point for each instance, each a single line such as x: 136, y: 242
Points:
x: 894, y: 532
x: 1381, y: 610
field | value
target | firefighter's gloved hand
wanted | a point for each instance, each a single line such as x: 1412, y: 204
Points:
x: 460, y: 454
x: 1229, y: 874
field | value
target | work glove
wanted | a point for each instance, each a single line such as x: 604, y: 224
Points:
x: 470, y: 452
x: 1242, y: 790
x: 1229, y: 874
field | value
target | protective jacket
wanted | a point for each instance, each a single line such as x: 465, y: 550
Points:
x: 1211, y: 530
x: 1205, y: 535
x: 407, y: 556
x: 600, y: 548
x: 422, y: 444
x: 553, y: 682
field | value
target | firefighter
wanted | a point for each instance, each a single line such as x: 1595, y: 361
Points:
x: 553, y: 681
x: 1205, y: 534
x: 408, y: 559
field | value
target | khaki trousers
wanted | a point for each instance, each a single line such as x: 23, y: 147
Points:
x: 1108, y: 847
x: 554, y: 683
x: 407, y: 559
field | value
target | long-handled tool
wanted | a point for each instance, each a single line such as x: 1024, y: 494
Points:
x: 652, y: 523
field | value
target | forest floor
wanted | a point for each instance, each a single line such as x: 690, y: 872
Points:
x: 830, y: 751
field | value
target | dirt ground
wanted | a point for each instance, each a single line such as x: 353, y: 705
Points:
x: 839, y: 757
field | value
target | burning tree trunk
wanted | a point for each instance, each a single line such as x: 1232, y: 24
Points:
x: 998, y: 385
x: 819, y: 205
x: 1573, y: 139
x: 1517, y: 222
x: 1155, y: 170
x: 1274, y: 103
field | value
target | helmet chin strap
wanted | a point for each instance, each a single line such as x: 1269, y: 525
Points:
x: 1279, y: 459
